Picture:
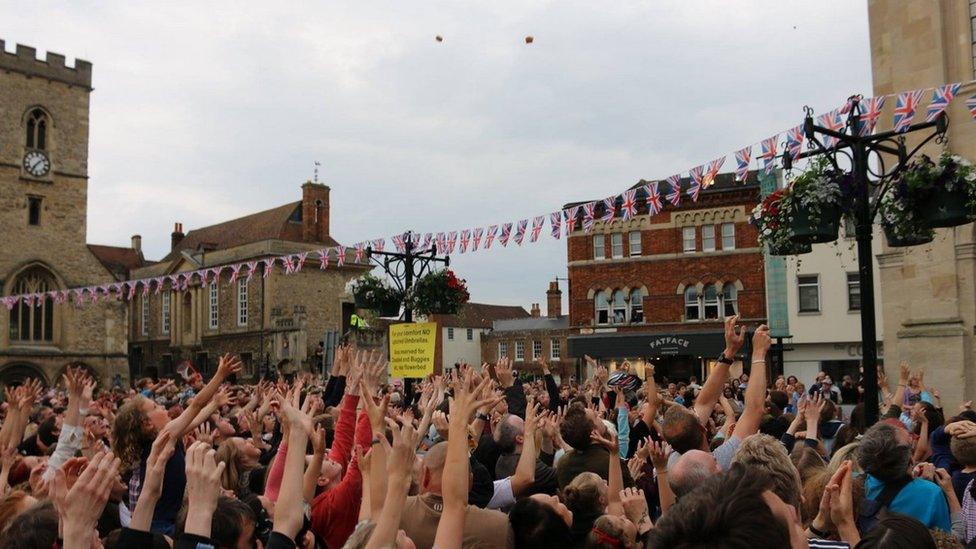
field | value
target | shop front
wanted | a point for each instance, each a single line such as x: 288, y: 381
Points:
x: 676, y: 355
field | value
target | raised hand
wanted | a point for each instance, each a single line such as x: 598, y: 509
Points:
x: 659, y: 452
x: 162, y: 449
x: 904, y: 374
x: 376, y: 414
x: 761, y: 342
x: 635, y: 506
x: 81, y: 504
x: 735, y: 336
x: 504, y: 373
x: 813, y: 408
x: 609, y: 442
x: 636, y: 467
x: 228, y: 366
x: 202, y: 488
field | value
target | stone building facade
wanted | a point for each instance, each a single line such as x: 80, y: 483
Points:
x: 534, y: 338
x: 658, y: 287
x: 460, y: 336
x: 270, y: 321
x: 44, y: 118
x: 929, y: 292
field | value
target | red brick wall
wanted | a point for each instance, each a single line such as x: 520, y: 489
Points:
x: 315, y: 228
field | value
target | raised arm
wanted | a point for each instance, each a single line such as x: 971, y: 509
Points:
x: 660, y: 452
x: 399, y: 471
x: 755, y: 397
x: 184, y: 422
x: 288, y: 513
x: 734, y: 338
x: 615, y: 476
x: 152, y: 487
x: 524, y: 475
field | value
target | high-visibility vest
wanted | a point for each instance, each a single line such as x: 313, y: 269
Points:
x: 357, y: 322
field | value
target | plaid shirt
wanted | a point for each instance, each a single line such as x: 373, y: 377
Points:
x: 969, y: 512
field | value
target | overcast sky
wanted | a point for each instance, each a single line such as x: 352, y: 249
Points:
x: 204, y: 112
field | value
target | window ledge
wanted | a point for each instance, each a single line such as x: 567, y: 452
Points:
x: 809, y: 313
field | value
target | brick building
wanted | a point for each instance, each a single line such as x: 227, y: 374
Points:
x: 533, y: 338
x: 280, y: 317
x: 460, y: 336
x: 658, y: 287
x: 44, y: 119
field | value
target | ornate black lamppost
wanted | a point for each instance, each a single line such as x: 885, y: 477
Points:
x: 870, y: 185
x: 407, y: 266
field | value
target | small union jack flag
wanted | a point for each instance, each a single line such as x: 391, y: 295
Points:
x: 869, y: 117
x: 520, y: 231
x: 440, y: 243
x: 846, y: 107
x: 654, y: 205
x: 360, y: 252
x: 971, y: 105
x: 628, y: 208
x: 713, y: 167
x: 235, y: 272
x: 940, y: 100
x: 905, y: 109
x: 79, y: 297
x: 398, y: 242
x: 742, y: 158
x: 451, y: 241
x: 506, y: 234
x: 794, y: 142
x: 379, y: 244
x: 674, y: 197
x: 341, y: 255
x: 536, y: 227
x: 476, y: 238
x: 289, y: 266
x: 132, y: 292
x: 63, y: 296
x: 299, y: 263
x: 268, y: 266
x: 768, y: 153
x: 570, y: 216
x: 145, y: 287
x: 697, y: 175
x: 609, y: 209
x: 465, y: 238
x: 831, y: 121
x: 588, y: 216
x: 490, y: 235
x: 324, y: 258
x: 29, y: 300
x: 556, y: 224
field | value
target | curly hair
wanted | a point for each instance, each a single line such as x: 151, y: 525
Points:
x: 128, y: 437
x: 233, y: 477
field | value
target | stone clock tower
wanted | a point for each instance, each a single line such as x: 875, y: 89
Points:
x: 44, y: 114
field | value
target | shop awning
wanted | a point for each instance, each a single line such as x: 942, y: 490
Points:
x: 630, y: 345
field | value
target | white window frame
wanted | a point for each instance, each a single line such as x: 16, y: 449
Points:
x: 617, y: 245
x: 470, y: 334
x: 165, y: 312
x: 853, y: 281
x: 708, y: 238
x: 605, y: 308
x: 145, y: 315
x: 728, y: 236
x: 555, y: 352
x: 536, y: 349
x: 696, y: 303
x: 618, y: 307
x: 713, y: 303
x: 727, y: 290
x: 242, y: 302
x: 634, y: 243
x: 450, y: 334
x: 636, y: 302
x: 800, y: 284
x: 599, y: 247
x: 214, y: 319
x: 502, y: 349
x: 688, y: 244
x: 519, y: 351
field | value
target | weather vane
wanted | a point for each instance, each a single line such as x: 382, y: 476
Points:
x: 316, y: 170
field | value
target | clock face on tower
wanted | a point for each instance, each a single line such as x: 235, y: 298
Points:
x: 37, y: 163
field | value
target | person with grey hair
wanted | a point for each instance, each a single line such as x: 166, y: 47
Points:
x: 885, y: 455
x: 508, y: 436
x: 691, y: 470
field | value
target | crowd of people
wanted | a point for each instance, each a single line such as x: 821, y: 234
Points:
x: 480, y: 458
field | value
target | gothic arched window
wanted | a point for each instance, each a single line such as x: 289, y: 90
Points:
x: 37, y: 123
x: 32, y: 319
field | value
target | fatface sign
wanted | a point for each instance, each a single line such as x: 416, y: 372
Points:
x: 669, y: 345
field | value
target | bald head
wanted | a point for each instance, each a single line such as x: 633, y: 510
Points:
x: 434, y: 460
x: 692, y: 469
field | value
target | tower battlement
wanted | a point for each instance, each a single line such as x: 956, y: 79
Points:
x: 52, y: 67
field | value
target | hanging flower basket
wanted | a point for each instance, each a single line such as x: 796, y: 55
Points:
x: 370, y: 292
x: 772, y: 219
x: 903, y: 241
x: 390, y: 308
x: 947, y: 190
x: 790, y: 248
x: 944, y: 208
x: 439, y: 292
x: 816, y: 201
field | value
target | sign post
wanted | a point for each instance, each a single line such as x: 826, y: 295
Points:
x: 412, y: 349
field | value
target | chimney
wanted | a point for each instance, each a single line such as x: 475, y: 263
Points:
x: 554, y: 300
x: 176, y: 237
x: 315, y: 212
x: 535, y: 310
x: 137, y: 243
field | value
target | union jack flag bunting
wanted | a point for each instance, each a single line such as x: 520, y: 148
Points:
x: 289, y: 265
x: 252, y: 268
x: 628, y: 209
x: 79, y: 297
x: 324, y: 259
x: 869, y: 117
x: 440, y: 242
x: 506, y: 234
x: 570, y: 216
x: 713, y: 167
x: 63, y: 297
x: 360, y: 252
x: 465, y: 238
x: 476, y: 238
x: 490, y: 235
x: 132, y: 292
x: 697, y: 175
x: 905, y: 109
x: 654, y: 205
x: 536, y: 227
x: 971, y: 105
x: 609, y: 209
x: 833, y: 122
x: 425, y: 243
x: 398, y: 243
x: 235, y: 272
x: 674, y: 197
x: 742, y: 158
x: 299, y: 263
x: 341, y: 255
x: 556, y: 224
x: 940, y: 100
x: 768, y: 153
x: 451, y: 241
x: 145, y: 287
x: 588, y: 216
x: 794, y: 142
x: 379, y: 244
x: 520, y: 231
x: 846, y: 107
x: 268, y: 266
